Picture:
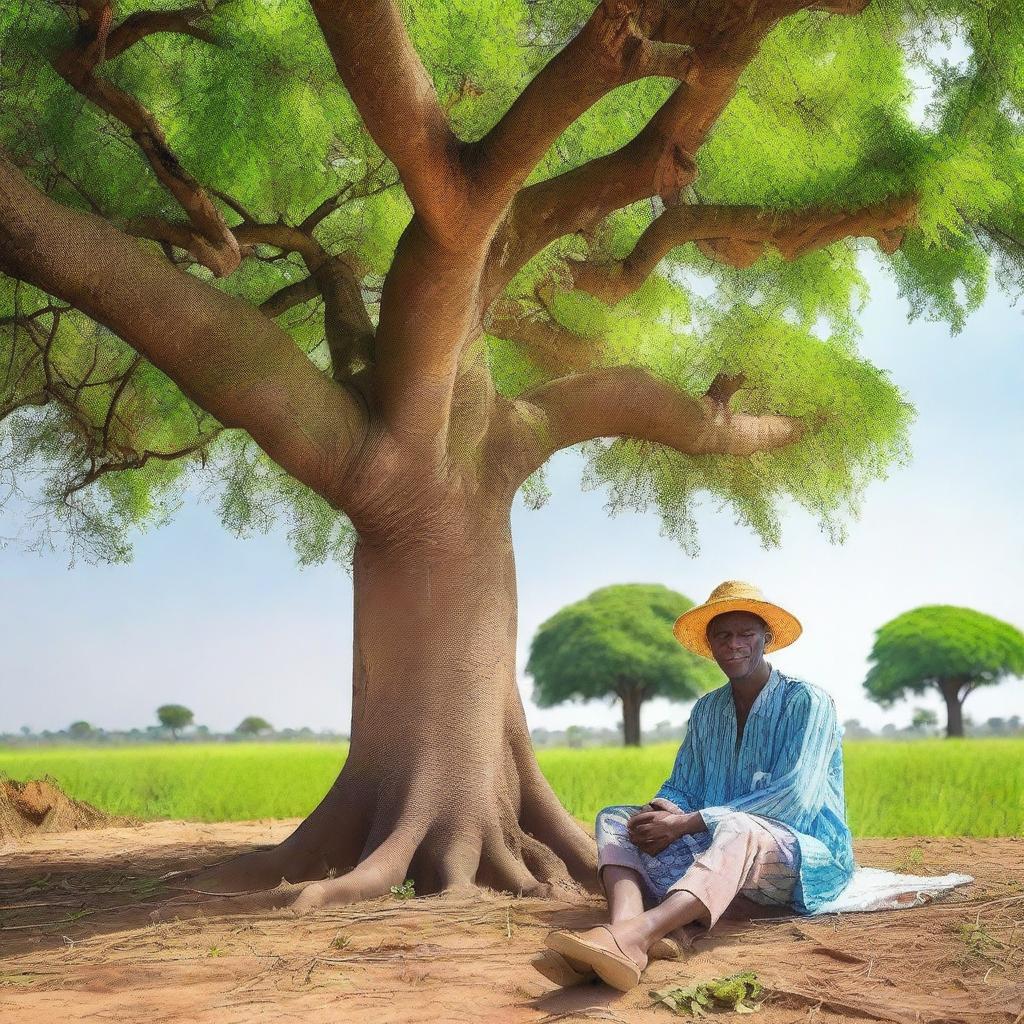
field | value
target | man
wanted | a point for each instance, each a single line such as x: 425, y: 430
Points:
x: 754, y: 806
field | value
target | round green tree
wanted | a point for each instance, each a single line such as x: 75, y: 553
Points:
x: 954, y: 650
x: 618, y: 643
x: 367, y: 267
x: 174, y: 717
x: 253, y: 725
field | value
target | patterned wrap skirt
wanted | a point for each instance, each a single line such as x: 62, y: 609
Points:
x: 749, y: 855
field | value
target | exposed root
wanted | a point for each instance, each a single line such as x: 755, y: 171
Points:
x: 501, y: 869
x: 543, y: 863
x: 374, y: 876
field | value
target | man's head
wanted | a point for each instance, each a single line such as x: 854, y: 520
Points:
x: 737, y: 640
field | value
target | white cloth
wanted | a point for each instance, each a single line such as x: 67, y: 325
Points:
x: 878, y: 889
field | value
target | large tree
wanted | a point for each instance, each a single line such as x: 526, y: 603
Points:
x: 617, y: 642
x: 945, y: 648
x: 375, y: 263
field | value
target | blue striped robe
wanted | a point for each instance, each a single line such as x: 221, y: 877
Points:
x: 788, y: 766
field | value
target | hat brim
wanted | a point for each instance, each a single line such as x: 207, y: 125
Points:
x: 690, y: 628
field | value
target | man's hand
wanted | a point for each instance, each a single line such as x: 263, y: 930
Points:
x: 655, y: 829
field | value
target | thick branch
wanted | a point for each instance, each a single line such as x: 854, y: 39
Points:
x: 739, y: 235
x: 207, y: 236
x: 614, y: 47
x: 660, y: 159
x: 226, y: 356
x: 398, y: 102
x: 628, y: 401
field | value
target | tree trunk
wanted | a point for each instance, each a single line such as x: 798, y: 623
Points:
x: 954, y: 706
x: 441, y: 784
x: 631, y: 702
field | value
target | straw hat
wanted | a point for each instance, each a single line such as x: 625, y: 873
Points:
x: 735, y: 596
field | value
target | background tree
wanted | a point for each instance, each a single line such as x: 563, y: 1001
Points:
x: 253, y: 725
x: 618, y: 643
x: 174, y: 717
x: 489, y: 231
x: 954, y: 650
x: 80, y: 730
x: 924, y: 719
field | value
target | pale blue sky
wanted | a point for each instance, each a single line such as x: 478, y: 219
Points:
x: 231, y: 627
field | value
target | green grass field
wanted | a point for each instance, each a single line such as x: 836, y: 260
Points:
x: 928, y: 787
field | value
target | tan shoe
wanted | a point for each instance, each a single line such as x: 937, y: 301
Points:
x: 612, y: 966
x: 667, y: 948
x: 561, y: 970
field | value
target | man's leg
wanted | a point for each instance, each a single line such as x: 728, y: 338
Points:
x: 622, y: 887
x: 701, y: 895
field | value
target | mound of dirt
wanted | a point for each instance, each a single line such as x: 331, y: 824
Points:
x: 40, y: 805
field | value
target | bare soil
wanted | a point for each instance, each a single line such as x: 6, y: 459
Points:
x: 39, y: 806
x: 89, y: 933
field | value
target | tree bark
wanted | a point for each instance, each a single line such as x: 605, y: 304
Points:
x: 441, y: 784
x: 954, y: 705
x: 632, y: 700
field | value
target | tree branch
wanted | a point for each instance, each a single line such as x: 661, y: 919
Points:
x: 207, y: 236
x: 738, y: 236
x: 347, y: 325
x: 226, y: 356
x: 659, y: 160
x: 144, y: 23
x: 549, y: 345
x: 613, y: 48
x: 399, y: 105
x: 629, y: 401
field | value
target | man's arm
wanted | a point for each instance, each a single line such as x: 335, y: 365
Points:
x: 656, y: 825
x: 685, y: 786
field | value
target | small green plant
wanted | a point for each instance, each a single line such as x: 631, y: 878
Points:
x: 341, y: 941
x: 913, y: 858
x: 405, y: 891
x: 735, y: 992
x: 215, y: 951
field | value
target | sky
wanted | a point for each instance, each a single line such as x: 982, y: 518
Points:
x: 232, y: 627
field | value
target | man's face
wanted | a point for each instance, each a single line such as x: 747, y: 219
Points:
x: 737, y: 641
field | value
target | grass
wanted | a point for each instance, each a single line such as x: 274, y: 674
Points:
x: 929, y: 787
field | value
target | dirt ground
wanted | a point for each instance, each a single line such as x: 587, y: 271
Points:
x: 86, y: 934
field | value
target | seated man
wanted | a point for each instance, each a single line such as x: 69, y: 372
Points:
x: 754, y: 805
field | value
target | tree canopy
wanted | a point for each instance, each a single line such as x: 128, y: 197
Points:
x: 253, y: 725
x: 222, y: 135
x: 618, y: 643
x: 953, y: 649
x: 174, y: 717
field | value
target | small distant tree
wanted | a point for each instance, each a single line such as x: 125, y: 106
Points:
x: 924, y: 719
x: 253, y: 725
x: 80, y: 730
x: 574, y: 735
x: 944, y: 647
x: 854, y: 730
x: 174, y: 717
x: 618, y: 643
